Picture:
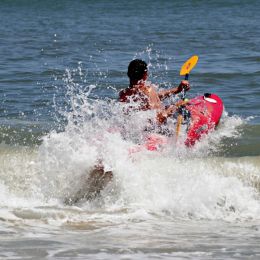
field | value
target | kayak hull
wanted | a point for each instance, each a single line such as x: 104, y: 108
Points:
x: 204, y: 113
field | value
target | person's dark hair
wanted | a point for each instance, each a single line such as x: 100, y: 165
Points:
x: 136, y: 69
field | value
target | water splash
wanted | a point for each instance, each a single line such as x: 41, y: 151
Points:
x: 173, y: 181
x: 176, y: 180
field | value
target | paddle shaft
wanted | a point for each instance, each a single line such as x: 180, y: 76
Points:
x: 180, y: 116
x: 184, y: 91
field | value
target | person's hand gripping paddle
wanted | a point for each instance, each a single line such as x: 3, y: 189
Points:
x: 185, y: 71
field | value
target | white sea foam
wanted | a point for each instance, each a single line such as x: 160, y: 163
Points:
x: 174, y: 181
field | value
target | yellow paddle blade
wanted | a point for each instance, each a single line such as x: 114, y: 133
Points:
x: 189, y: 65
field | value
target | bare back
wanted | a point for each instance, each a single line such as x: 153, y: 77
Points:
x: 144, y: 94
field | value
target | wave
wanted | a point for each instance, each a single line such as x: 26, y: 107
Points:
x: 20, y: 132
x: 176, y: 183
x: 198, y: 188
x: 245, y: 142
x: 183, y: 183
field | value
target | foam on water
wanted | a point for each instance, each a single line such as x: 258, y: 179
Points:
x: 176, y: 181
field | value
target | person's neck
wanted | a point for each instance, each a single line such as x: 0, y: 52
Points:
x: 134, y: 83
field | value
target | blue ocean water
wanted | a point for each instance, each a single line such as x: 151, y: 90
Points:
x: 39, y: 41
x: 61, y: 62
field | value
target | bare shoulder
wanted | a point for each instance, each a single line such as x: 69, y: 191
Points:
x: 149, y: 88
x: 124, y: 94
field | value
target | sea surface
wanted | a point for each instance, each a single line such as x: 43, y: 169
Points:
x: 62, y: 64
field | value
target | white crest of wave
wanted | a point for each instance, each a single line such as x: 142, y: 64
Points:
x: 188, y: 188
x: 175, y: 181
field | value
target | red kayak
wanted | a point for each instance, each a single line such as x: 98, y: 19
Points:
x: 201, y: 115
x: 205, y: 113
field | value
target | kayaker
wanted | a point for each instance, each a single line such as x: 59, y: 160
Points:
x: 144, y: 96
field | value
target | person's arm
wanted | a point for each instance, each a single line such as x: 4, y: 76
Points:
x: 162, y: 115
x: 173, y: 91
